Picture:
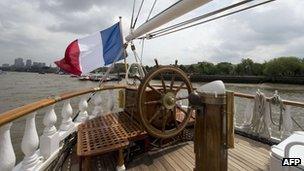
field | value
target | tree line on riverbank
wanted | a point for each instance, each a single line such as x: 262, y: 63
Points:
x: 277, y: 67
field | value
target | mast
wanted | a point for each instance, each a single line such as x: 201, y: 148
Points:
x: 176, y: 10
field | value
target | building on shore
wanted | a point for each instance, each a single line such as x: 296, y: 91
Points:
x: 28, y: 63
x: 5, y: 65
x: 38, y: 64
x: 19, y: 63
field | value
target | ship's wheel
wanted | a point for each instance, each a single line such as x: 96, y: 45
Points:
x: 162, y: 114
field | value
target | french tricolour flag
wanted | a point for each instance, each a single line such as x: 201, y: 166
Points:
x: 89, y: 53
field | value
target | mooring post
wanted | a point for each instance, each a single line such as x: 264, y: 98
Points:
x: 210, y: 138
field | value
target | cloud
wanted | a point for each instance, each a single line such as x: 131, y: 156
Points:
x: 41, y: 30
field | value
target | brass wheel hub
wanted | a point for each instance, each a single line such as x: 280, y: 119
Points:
x: 169, y: 100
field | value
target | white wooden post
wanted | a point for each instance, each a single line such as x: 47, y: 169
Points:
x: 49, y: 141
x: 66, y: 113
x: 29, y: 144
x: 97, y: 105
x: 7, y: 155
x: 83, y: 105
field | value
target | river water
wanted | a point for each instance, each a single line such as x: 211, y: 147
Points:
x: 17, y: 89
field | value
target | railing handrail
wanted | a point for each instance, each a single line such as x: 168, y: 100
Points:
x: 286, y: 102
x: 22, y: 111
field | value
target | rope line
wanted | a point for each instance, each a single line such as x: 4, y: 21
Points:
x: 151, y: 10
x: 134, y: 1
x: 152, y: 36
x: 142, y: 50
x: 141, y: 5
x: 201, y: 17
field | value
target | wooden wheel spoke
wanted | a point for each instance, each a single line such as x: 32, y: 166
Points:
x: 152, y: 102
x: 174, y: 116
x: 181, y: 98
x: 155, y: 115
x: 172, y: 82
x: 163, y: 83
x: 165, y: 119
x: 180, y: 87
x: 155, y: 89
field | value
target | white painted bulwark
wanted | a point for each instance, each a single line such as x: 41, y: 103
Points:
x: 83, y: 105
x: 66, y: 113
x: 97, y: 105
x: 7, y: 155
x: 49, y: 141
x: 29, y: 144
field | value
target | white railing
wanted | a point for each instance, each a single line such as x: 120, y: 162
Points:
x: 39, y: 152
x: 272, y: 126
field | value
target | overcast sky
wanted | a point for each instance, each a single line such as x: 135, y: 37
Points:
x: 41, y: 30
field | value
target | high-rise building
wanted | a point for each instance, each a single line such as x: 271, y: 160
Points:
x: 28, y: 63
x: 19, y: 63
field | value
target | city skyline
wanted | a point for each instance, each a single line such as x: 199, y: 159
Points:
x: 24, y: 62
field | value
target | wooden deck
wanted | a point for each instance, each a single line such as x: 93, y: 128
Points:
x: 247, y: 155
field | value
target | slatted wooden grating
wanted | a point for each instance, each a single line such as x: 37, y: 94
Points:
x: 107, y: 133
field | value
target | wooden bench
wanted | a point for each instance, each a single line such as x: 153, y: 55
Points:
x: 104, y: 134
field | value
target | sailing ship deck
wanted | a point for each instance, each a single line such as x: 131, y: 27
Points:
x: 247, y: 155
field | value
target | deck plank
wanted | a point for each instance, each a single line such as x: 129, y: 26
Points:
x: 247, y: 155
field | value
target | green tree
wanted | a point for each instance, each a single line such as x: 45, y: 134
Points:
x: 206, y: 68
x: 191, y: 69
x: 245, y: 67
x: 257, y: 69
x: 182, y: 67
x: 224, y: 68
x: 284, y: 66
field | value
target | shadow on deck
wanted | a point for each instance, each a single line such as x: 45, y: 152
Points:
x: 247, y: 155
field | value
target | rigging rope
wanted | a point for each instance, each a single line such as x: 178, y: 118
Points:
x: 142, y: 50
x: 132, y: 14
x: 151, y: 10
x: 141, y: 5
x: 276, y: 100
x: 151, y: 36
x: 201, y: 17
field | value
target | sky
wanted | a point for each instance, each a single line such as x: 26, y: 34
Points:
x: 42, y: 29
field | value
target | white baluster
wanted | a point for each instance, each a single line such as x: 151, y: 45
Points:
x: 97, y: 105
x: 49, y: 141
x: 66, y: 114
x: 83, y: 105
x: 29, y: 144
x: 49, y: 121
x: 7, y: 155
x: 111, y: 100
